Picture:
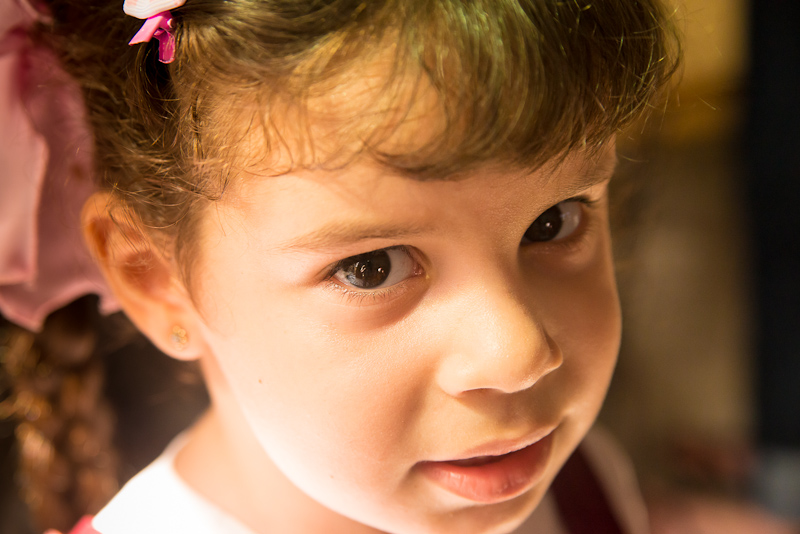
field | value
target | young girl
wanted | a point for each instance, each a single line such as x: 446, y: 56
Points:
x: 381, y: 229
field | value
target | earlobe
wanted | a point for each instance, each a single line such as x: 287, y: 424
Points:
x: 143, y: 279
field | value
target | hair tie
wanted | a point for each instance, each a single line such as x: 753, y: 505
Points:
x: 158, y: 24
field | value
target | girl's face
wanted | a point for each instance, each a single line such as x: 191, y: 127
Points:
x: 416, y: 356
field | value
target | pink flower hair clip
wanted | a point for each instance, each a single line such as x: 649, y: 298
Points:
x: 158, y: 24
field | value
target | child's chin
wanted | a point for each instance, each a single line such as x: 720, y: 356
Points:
x: 498, y: 518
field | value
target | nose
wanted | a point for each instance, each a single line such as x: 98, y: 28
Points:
x: 495, y: 343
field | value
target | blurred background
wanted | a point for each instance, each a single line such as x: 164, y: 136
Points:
x: 706, y: 397
x: 707, y: 393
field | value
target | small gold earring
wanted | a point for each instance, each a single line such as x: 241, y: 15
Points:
x: 179, y: 337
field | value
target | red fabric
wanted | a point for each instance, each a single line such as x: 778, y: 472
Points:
x: 581, y: 500
x: 84, y: 526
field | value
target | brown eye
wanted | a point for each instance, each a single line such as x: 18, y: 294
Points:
x: 379, y: 268
x: 557, y: 222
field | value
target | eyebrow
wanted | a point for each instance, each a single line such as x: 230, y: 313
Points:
x: 336, y: 234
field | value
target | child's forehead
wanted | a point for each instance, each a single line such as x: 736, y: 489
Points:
x: 374, y: 114
x: 367, y: 184
x: 363, y: 206
x: 370, y: 109
x: 375, y: 111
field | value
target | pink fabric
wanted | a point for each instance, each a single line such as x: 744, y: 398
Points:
x: 160, y: 27
x: 45, y: 177
x: 158, y: 24
x: 161, y: 22
x: 84, y: 526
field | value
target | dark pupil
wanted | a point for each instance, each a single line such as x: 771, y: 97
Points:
x: 368, y: 270
x: 546, y: 227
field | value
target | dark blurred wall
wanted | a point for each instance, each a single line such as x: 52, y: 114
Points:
x: 772, y: 143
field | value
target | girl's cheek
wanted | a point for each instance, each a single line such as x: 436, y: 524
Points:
x: 369, y: 314
x: 584, y: 317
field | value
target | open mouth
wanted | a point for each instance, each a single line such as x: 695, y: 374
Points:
x: 478, y: 460
x: 489, y: 479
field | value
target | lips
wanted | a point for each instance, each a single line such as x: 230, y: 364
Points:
x: 492, y: 478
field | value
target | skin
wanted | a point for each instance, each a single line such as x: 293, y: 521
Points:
x: 327, y: 398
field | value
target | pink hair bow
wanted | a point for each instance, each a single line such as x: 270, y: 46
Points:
x: 158, y: 24
x: 45, y: 178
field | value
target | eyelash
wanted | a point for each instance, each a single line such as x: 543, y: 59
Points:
x: 360, y: 297
x: 581, y: 233
x: 375, y: 296
x: 356, y: 296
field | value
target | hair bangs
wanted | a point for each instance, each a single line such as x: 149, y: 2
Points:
x: 523, y: 83
x: 517, y: 82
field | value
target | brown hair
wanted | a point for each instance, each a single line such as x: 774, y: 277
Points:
x: 64, y: 427
x: 518, y: 81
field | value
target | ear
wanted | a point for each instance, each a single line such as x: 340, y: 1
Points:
x: 143, y: 278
